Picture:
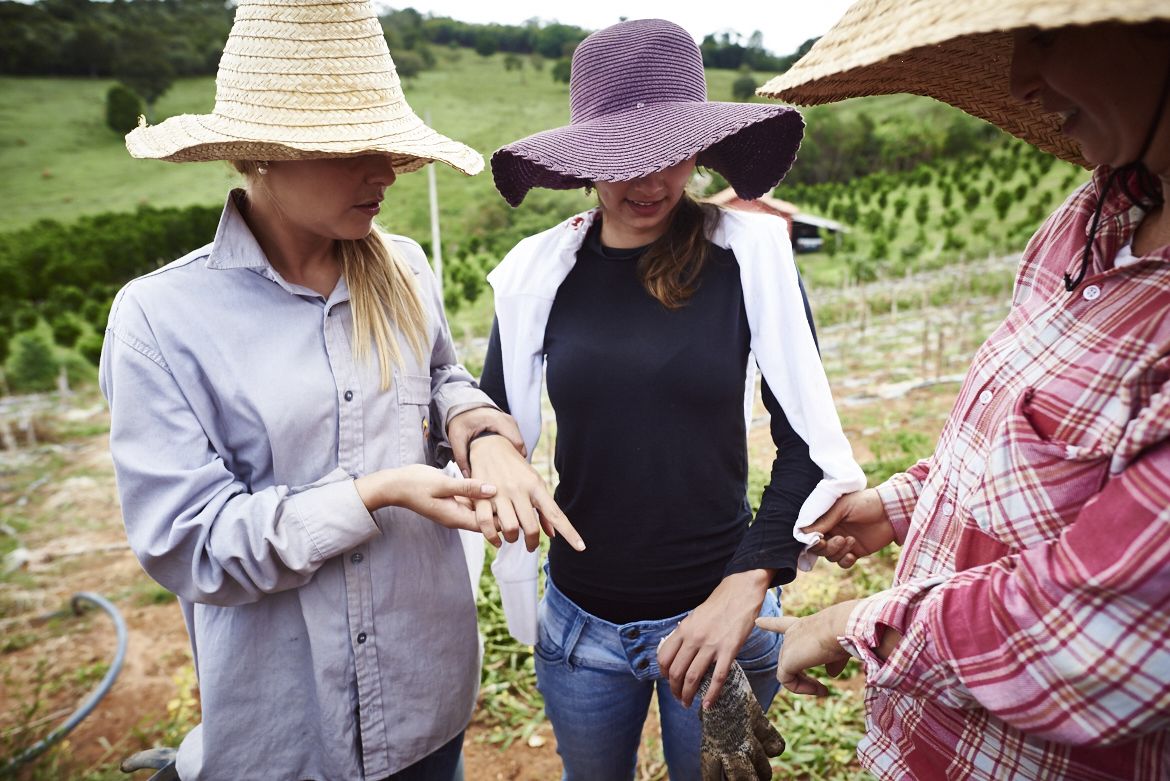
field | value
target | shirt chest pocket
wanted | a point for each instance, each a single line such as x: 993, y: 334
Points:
x: 1033, y: 485
x: 414, y: 419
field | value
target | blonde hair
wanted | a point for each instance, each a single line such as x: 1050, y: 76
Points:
x: 382, y: 294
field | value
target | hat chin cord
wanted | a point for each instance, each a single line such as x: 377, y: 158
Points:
x: 1071, y: 283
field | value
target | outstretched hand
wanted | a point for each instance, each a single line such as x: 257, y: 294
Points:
x: 855, y: 526
x: 443, y: 499
x: 810, y: 642
x: 522, y: 503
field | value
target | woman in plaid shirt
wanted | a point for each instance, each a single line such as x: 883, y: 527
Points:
x: 1027, y: 632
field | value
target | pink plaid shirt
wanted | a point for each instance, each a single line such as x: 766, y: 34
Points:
x: 1033, y: 589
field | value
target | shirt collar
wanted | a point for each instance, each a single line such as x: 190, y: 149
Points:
x: 234, y: 245
x: 1120, y: 214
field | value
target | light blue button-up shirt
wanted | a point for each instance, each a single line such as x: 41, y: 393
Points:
x: 329, y: 644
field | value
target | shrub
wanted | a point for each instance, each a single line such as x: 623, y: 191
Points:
x: 32, y: 367
x: 922, y: 210
x: 90, y: 347
x: 123, y: 107
x: 65, y: 330
x: 408, y: 64
x: 744, y: 87
x: 562, y: 70
x: 1003, y: 201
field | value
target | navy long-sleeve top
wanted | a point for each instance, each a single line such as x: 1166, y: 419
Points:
x: 651, y: 442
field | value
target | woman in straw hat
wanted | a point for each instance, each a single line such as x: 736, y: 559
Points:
x: 1027, y: 633
x: 275, y: 397
x: 644, y: 311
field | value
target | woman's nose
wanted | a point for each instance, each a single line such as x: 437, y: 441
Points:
x: 1024, y: 77
x: 379, y: 171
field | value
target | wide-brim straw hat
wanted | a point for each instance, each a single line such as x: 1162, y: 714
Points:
x: 956, y: 52
x: 303, y: 79
x: 638, y: 104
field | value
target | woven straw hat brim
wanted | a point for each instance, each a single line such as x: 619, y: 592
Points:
x: 751, y: 146
x: 303, y: 79
x: 955, y: 52
x: 196, y: 138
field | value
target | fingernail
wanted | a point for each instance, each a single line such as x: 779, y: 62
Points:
x: 466, y: 473
x: 488, y: 487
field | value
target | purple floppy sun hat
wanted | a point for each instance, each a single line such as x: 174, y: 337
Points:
x: 638, y: 104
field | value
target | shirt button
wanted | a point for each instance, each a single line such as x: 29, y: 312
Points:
x: 642, y: 664
x: 985, y: 397
x: 949, y: 508
x: 356, y: 558
x: 349, y: 395
x: 361, y: 638
x: 632, y: 634
x: 1091, y: 293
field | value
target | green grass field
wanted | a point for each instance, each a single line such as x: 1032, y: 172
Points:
x: 58, y: 159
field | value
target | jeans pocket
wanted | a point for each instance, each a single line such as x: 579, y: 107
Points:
x: 558, y: 629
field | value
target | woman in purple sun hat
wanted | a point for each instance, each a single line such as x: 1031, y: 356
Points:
x: 649, y: 315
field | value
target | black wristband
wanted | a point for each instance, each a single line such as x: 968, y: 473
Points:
x: 480, y: 435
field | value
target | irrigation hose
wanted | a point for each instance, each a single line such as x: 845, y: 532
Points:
x: 76, y: 604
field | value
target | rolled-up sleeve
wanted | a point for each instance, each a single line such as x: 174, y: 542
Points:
x: 1067, y: 640
x: 193, y: 525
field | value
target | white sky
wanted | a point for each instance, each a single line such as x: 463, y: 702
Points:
x: 785, y: 23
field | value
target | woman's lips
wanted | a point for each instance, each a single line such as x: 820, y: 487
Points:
x: 644, y: 208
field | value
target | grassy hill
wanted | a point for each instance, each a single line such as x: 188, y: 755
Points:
x: 59, y: 160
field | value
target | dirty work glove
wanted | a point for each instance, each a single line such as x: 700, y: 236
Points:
x: 737, y: 738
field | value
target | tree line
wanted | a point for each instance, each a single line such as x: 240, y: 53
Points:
x: 185, y: 38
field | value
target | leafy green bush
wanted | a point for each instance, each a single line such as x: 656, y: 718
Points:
x: 744, y: 87
x: 123, y: 107
x: 32, y: 367
x: 562, y: 70
x: 65, y: 330
x: 90, y: 347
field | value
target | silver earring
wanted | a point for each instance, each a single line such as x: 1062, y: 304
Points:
x: 262, y: 168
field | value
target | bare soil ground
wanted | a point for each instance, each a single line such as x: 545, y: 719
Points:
x: 61, y: 505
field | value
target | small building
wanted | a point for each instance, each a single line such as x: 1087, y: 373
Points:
x: 803, y: 229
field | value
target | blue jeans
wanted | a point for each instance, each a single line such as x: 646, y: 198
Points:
x: 597, y: 678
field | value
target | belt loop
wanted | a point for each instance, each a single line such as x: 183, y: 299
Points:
x: 569, y: 641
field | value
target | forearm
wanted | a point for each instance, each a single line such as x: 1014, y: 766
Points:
x: 220, y: 545
x: 768, y: 542
x: 1000, y: 636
